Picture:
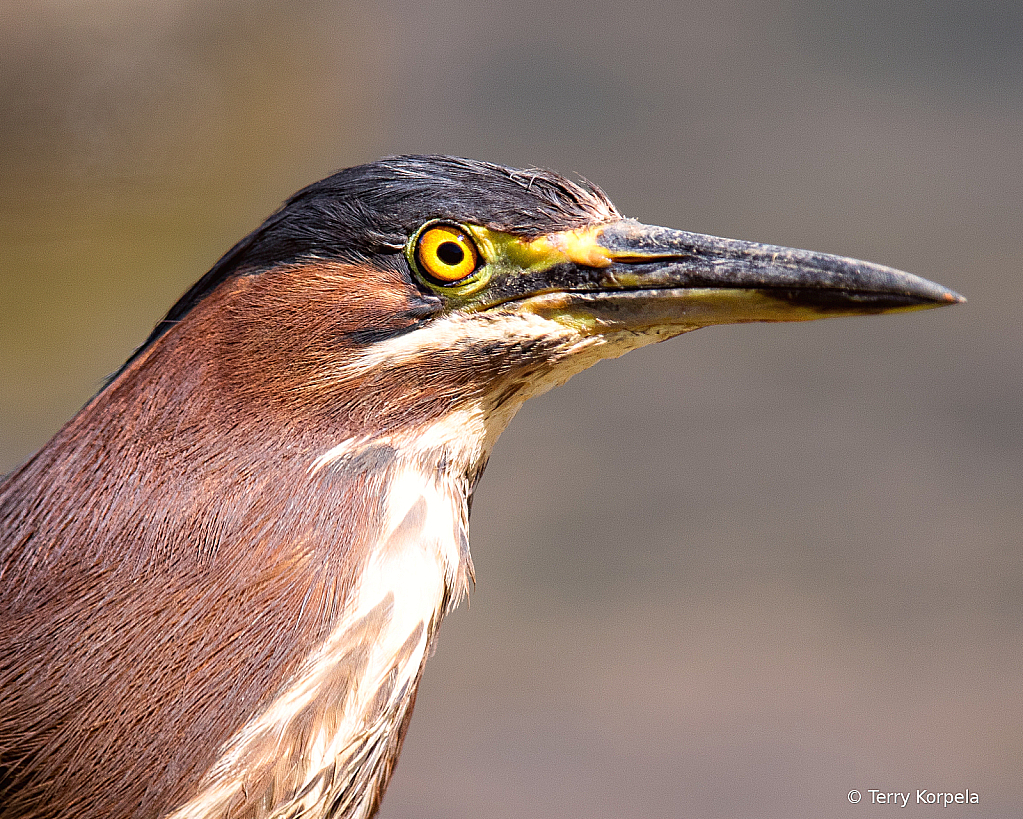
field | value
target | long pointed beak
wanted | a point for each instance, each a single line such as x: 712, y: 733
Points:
x: 639, y: 277
x: 676, y: 258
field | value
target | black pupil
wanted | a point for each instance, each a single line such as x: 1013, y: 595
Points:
x: 450, y: 253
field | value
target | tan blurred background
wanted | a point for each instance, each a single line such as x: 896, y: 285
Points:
x: 738, y: 574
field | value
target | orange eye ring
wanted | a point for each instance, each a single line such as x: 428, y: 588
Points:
x: 446, y: 254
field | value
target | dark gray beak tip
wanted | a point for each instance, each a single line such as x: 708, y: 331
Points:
x: 918, y: 295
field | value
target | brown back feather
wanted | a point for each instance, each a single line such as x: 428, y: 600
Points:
x: 168, y: 559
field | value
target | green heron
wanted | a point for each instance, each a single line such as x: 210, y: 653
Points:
x: 221, y: 579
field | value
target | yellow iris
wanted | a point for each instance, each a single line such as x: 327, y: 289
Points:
x: 446, y: 254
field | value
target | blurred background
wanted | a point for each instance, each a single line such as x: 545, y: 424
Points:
x: 737, y: 574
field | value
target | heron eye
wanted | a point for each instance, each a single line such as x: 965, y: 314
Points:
x: 445, y: 254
